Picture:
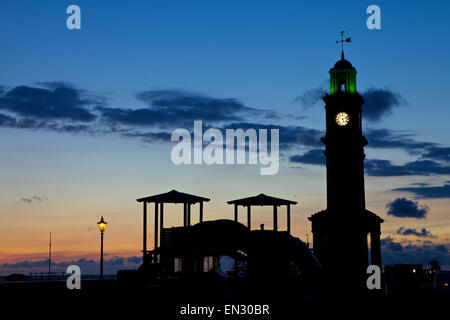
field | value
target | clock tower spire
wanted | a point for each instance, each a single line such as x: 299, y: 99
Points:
x: 340, y: 233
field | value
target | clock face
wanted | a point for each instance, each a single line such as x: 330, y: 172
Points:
x: 342, y: 119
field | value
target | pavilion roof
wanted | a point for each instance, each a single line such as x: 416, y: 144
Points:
x: 261, y: 200
x: 173, y: 196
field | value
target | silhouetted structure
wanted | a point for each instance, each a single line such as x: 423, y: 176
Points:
x: 340, y: 232
x: 263, y: 200
x: 169, y: 197
x: 194, y: 250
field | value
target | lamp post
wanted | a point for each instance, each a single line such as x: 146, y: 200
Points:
x: 101, y: 226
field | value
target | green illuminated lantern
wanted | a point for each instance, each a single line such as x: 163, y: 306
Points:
x: 343, y: 77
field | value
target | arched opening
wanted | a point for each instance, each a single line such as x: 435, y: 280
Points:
x: 342, y: 86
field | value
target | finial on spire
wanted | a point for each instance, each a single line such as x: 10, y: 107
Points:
x: 349, y: 39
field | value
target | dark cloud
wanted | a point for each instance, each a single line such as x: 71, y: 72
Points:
x: 180, y: 108
x: 56, y: 84
x: 391, y: 245
x: 88, y: 266
x: 384, y: 168
x: 149, y: 137
x: 176, y: 108
x: 404, y: 208
x: 307, y: 137
x: 424, y: 233
x: 11, y: 122
x: 314, y: 156
x: 31, y: 199
x: 384, y: 138
x: 140, y: 117
x: 60, y: 107
x: 289, y: 135
x: 380, y: 102
x: 437, y: 153
x: 70, y: 128
x: 57, y: 101
x: 395, y: 252
x: 57, y: 126
x: 428, y: 192
x: 420, y: 184
x: 310, y: 97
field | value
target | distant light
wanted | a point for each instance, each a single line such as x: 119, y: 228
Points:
x: 414, y: 270
x: 446, y: 284
x: 102, y: 224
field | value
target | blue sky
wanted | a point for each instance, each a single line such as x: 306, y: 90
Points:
x: 262, y: 54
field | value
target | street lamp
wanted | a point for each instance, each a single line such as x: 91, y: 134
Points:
x: 101, y: 226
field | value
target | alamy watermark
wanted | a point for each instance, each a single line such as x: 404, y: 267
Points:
x: 74, y: 20
x: 208, y: 147
x: 374, y: 280
x: 374, y: 20
x: 74, y: 280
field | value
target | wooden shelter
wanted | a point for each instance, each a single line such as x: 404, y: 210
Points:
x: 174, y: 197
x: 264, y: 200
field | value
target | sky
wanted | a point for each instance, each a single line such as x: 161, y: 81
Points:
x: 86, y: 117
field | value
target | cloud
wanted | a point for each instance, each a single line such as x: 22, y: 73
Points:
x: 384, y: 138
x: 58, y: 106
x: 314, y: 156
x: 61, y: 107
x: 384, y: 168
x: 149, y: 137
x: 437, y: 153
x: 395, y: 252
x: 380, y: 103
x: 180, y: 99
x: 177, y: 108
x: 311, y: 97
x: 289, y: 135
x: 428, y: 192
x: 30, y: 200
x: 88, y: 266
x: 139, y: 117
x: 33, y: 124
x: 420, y: 184
x: 404, y: 208
x: 424, y: 233
x: 53, y: 101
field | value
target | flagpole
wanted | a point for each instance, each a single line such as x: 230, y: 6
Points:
x: 50, y: 254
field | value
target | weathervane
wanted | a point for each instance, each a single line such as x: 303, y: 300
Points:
x: 342, y: 43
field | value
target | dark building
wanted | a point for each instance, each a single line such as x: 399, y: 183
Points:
x: 192, y: 250
x: 341, y: 231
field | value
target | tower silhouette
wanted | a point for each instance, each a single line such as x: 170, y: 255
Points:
x: 340, y: 232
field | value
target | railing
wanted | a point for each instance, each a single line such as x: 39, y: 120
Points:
x: 46, y: 276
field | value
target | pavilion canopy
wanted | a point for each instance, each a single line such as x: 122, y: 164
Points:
x: 261, y: 200
x: 174, y: 197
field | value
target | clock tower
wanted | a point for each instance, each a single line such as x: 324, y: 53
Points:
x: 340, y: 233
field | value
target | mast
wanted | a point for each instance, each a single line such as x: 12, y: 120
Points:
x: 50, y: 254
